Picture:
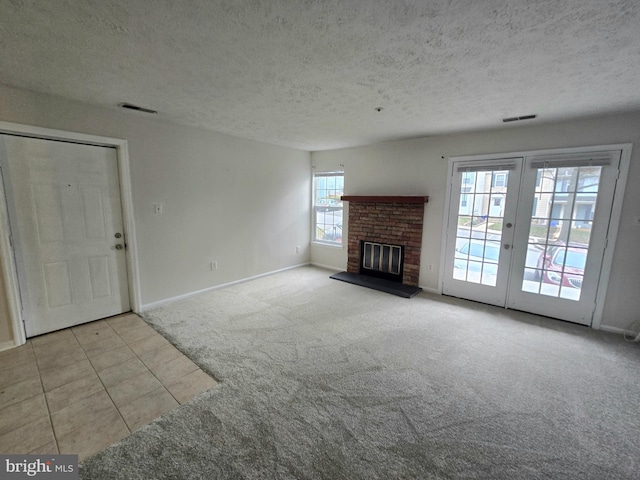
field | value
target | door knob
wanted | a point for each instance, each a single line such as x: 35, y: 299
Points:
x: 509, y: 225
x: 118, y: 235
x: 119, y: 247
x: 507, y: 246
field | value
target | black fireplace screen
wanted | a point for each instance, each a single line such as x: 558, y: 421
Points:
x: 381, y: 260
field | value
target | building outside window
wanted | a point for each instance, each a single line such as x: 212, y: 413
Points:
x: 328, y: 187
x: 499, y: 180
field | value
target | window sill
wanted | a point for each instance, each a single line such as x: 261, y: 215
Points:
x: 327, y: 244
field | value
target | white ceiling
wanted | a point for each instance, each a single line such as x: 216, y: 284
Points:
x: 309, y: 74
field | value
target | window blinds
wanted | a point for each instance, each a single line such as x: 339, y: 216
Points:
x: 595, y: 159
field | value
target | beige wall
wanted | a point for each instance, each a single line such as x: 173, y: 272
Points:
x: 417, y: 167
x: 242, y: 203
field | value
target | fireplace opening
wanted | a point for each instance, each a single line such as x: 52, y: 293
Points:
x: 382, y: 260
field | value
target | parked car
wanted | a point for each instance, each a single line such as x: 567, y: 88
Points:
x: 328, y: 204
x: 558, y: 258
x: 477, y: 257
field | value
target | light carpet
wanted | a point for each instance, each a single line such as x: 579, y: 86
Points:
x: 321, y: 379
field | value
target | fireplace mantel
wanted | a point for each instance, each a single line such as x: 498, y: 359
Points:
x: 385, y: 199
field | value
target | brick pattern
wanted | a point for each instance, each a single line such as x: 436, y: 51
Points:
x: 393, y: 223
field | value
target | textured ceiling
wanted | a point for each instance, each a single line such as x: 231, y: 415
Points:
x: 309, y: 74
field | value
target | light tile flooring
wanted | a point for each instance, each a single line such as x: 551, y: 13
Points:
x: 81, y: 389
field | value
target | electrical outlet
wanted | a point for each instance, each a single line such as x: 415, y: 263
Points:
x: 298, y: 249
x: 430, y: 267
x: 214, y: 266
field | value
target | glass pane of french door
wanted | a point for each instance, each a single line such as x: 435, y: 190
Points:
x: 479, y: 231
x: 480, y: 219
x: 561, y: 222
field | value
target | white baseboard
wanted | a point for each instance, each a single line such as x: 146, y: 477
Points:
x: 431, y: 290
x: 166, y: 301
x: 326, y: 267
x: 7, y: 345
x: 621, y: 331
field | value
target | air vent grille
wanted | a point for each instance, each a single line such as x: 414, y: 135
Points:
x: 515, y: 119
x: 130, y: 106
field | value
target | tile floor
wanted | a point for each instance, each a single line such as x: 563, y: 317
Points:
x: 81, y: 389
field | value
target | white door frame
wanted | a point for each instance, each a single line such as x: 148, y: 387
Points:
x: 614, y: 222
x: 6, y: 249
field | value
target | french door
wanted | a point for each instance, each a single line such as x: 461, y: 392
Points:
x: 529, y: 233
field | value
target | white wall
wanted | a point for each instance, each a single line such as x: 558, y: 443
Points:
x: 6, y: 334
x: 240, y: 202
x: 419, y: 167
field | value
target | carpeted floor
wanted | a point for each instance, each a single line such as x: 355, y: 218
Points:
x: 326, y: 380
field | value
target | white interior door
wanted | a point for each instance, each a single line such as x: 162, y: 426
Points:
x: 66, y: 221
x: 542, y: 252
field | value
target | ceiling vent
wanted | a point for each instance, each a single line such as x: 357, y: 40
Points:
x: 129, y: 106
x: 515, y: 119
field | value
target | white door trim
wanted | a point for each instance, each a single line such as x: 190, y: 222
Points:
x: 614, y: 221
x: 612, y: 235
x: 9, y: 275
x: 6, y: 249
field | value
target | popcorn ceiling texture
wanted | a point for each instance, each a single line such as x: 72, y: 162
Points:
x: 310, y: 74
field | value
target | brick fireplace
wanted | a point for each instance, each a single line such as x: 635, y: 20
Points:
x: 388, y: 221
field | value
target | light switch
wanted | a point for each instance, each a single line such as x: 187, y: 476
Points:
x: 157, y: 209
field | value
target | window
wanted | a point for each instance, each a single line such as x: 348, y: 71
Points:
x: 328, y: 187
x: 468, y: 177
x: 499, y: 180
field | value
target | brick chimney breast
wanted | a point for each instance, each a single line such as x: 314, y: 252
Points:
x: 390, y: 222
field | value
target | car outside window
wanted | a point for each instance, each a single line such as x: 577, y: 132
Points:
x: 574, y: 259
x: 478, y: 249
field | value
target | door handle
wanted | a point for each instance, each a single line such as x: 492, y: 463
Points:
x: 507, y: 246
x: 119, y: 247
